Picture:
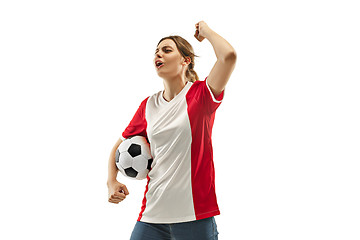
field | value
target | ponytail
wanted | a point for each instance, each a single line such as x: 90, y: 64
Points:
x: 191, y: 75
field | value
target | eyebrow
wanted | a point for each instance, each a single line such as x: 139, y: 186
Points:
x: 157, y: 49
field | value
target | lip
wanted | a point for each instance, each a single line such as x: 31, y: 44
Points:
x: 157, y: 61
x: 158, y: 67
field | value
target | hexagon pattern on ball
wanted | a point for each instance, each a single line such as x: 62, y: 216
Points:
x: 131, y: 172
x: 134, y: 150
x: 133, y: 157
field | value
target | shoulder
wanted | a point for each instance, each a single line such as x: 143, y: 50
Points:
x: 198, y: 83
x: 144, y: 101
x: 152, y: 97
x: 201, y: 93
x: 196, y: 86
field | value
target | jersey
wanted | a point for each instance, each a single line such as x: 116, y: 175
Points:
x: 181, y: 183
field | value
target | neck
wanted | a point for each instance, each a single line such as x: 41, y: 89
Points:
x: 173, y: 87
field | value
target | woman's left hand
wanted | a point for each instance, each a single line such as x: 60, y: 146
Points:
x: 201, y: 29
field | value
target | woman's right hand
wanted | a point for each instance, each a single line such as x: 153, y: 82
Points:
x: 117, y: 192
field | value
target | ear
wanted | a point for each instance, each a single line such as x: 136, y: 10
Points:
x: 187, y: 60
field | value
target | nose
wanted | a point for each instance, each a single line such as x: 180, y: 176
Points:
x: 158, y: 54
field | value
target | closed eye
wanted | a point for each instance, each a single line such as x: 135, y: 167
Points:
x: 165, y: 49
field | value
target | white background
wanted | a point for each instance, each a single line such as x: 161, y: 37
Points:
x: 286, y: 137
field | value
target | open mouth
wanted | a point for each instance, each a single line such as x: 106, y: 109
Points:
x: 159, y: 64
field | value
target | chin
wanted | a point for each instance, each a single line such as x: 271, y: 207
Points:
x: 162, y: 74
x: 167, y: 75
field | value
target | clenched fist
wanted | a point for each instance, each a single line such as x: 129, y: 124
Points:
x: 117, y: 192
x: 201, y: 29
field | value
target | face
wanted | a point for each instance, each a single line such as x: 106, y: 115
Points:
x: 173, y: 62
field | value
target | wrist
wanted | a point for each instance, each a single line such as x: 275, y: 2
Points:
x: 111, y: 181
x: 208, y: 33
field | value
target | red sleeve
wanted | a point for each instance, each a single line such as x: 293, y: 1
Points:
x: 138, y: 124
x: 206, y: 98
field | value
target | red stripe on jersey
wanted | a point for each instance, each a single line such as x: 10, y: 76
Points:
x: 144, y: 199
x: 201, y: 112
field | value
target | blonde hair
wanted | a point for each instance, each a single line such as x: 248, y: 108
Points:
x: 185, y: 50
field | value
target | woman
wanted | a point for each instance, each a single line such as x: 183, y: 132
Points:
x: 180, y: 200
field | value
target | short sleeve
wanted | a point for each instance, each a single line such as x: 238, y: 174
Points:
x: 138, y: 124
x: 206, y: 98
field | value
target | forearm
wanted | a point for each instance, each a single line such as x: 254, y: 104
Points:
x: 112, y: 168
x: 223, y: 49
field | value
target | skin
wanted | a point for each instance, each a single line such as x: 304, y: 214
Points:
x: 225, y: 54
x: 174, y: 68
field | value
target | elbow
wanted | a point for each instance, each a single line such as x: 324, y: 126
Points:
x: 230, y: 57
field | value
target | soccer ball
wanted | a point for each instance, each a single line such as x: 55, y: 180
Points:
x: 133, y: 157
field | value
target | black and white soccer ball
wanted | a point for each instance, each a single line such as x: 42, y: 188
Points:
x: 133, y: 157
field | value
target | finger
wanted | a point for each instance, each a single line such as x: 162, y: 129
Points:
x: 118, y: 196
x: 126, y: 191
x: 116, y: 199
x: 112, y: 201
x: 196, y: 37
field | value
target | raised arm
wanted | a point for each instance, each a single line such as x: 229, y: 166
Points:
x: 225, y: 54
